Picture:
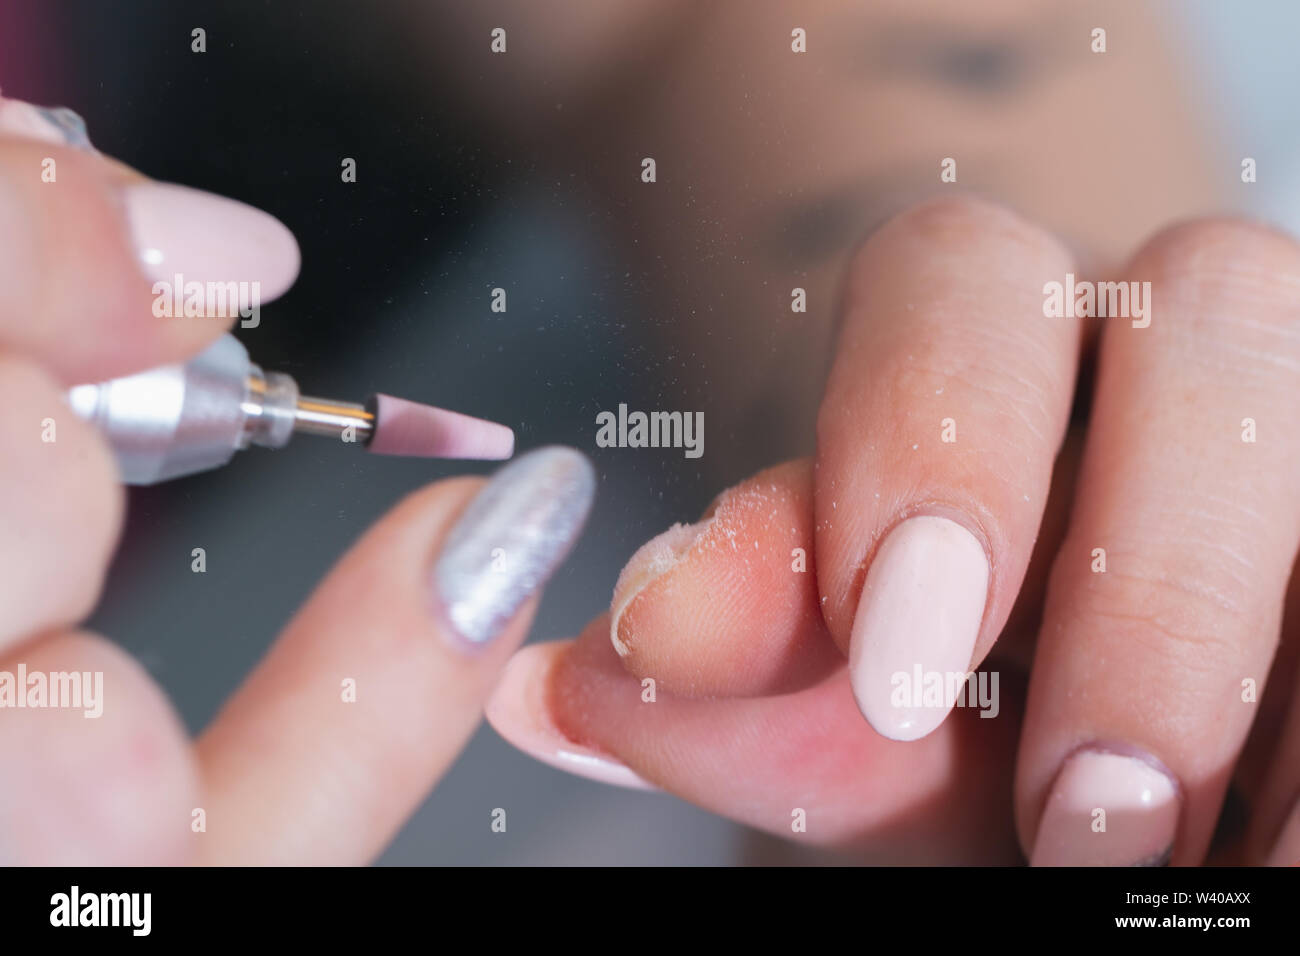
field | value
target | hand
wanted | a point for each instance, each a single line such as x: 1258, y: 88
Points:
x: 372, y: 689
x: 952, y: 522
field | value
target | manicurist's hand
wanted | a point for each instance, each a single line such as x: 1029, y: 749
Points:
x: 787, y: 660
x: 371, y: 690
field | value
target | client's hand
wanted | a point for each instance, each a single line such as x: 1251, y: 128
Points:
x: 952, y: 522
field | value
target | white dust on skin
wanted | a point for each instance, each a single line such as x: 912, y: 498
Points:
x: 737, y: 515
x: 657, y: 556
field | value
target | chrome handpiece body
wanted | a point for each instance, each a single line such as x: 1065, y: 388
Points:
x: 189, y: 417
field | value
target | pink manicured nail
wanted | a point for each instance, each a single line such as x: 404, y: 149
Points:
x: 518, y: 711
x: 182, y: 232
x: 918, y: 618
x: 1108, y: 809
x: 1286, y: 851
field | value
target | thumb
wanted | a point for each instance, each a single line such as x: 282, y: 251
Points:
x: 374, y: 687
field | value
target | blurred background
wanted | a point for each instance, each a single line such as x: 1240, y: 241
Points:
x: 522, y: 171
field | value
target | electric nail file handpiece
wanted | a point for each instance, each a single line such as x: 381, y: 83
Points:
x: 180, y: 419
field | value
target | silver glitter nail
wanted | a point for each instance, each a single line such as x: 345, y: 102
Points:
x: 511, y: 538
x: 69, y: 123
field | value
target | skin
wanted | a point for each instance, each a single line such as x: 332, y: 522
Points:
x: 1197, y: 603
x: 1200, y: 536
x: 754, y: 716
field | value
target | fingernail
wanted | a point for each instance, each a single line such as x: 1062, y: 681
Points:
x: 651, y: 561
x: 1286, y: 851
x: 1108, y: 809
x: 511, y: 538
x: 519, y: 712
x: 916, y: 625
x: 195, y: 237
x: 49, y: 124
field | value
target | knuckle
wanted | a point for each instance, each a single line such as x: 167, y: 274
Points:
x: 1156, y: 615
x: 1221, y: 277
x: 966, y: 225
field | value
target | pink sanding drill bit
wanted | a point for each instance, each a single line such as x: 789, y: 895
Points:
x: 180, y: 419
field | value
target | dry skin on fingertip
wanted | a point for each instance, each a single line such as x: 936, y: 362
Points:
x: 652, y: 560
x: 728, y: 605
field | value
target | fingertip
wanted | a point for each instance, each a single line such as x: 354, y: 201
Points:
x: 917, y: 622
x: 104, y: 273
x: 728, y: 606
x: 949, y: 396
x: 651, y: 562
x: 209, y: 239
x: 519, y: 710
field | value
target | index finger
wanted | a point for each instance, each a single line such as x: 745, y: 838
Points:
x: 375, y: 686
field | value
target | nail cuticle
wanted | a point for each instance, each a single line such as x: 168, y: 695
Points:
x: 936, y: 508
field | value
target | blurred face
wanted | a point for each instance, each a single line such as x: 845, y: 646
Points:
x: 771, y: 164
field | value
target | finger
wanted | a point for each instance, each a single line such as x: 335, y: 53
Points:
x: 62, y: 506
x: 91, y: 265
x: 1262, y: 747
x: 374, y: 687
x: 728, y: 606
x: 98, y: 769
x: 1273, y: 835
x: 946, y: 406
x: 804, y: 765
x: 1137, y: 711
x: 520, y: 711
x: 1020, y: 634
x: 1268, y: 773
